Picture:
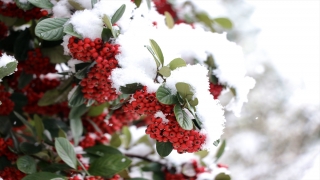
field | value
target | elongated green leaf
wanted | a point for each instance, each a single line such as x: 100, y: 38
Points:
x: 68, y: 29
x: 127, y: 136
x: 203, y: 17
x: 8, y: 69
x: 101, y: 150
x: 164, y: 148
x: 220, y: 150
x: 45, y: 4
x: 118, y: 14
x: 108, y: 23
x: 25, y: 122
x: 115, y: 140
x: 131, y: 88
x: 50, y: 29
x: 109, y: 165
x: 222, y: 176
x: 165, y: 71
x: 137, y: 2
x: 157, y: 50
x: 77, y: 98
x: 223, y: 22
x: 26, y: 164
x: 154, y: 55
x: 164, y: 96
x: 39, y: 127
x: 8, y: 21
x: 54, y: 96
x: 66, y: 152
x: 77, y: 111
x: 42, y: 176
x: 177, y: 62
x: 106, y: 34
x: 184, y: 90
x: 24, y: 80
x: 182, y: 117
x: 76, y: 129
x: 24, y: 6
x: 169, y: 20
x: 76, y: 5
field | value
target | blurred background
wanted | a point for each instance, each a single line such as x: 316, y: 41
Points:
x: 277, y: 136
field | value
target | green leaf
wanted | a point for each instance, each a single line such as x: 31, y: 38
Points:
x: 144, y: 139
x: 62, y: 134
x: 202, y: 154
x: 55, y: 167
x: 234, y: 92
x: 216, y: 143
x: 210, y: 62
x: 8, y: 21
x: 127, y: 136
x: 220, y: 150
x: 76, y: 5
x: 26, y: 164
x: 44, y: 4
x: 50, y: 29
x: 24, y: 80
x: 22, y: 44
x: 77, y: 111
x: 157, y: 50
x: 108, y: 23
x: 68, y: 29
x: 101, y: 150
x: 194, y: 102
x: 169, y: 20
x: 165, y: 71
x: 54, y: 126
x: 76, y: 129
x: 66, y: 152
x: 106, y: 34
x: 109, y: 165
x: 115, y: 140
x: 93, y: 2
x: 118, y: 14
x: 39, y: 127
x: 80, y: 74
x: 203, y: 17
x: 182, y: 117
x: 177, y: 62
x: 42, y: 176
x: 153, y: 166
x: 25, y: 122
x: 149, y: 4
x: 137, y: 2
x: 8, y: 69
x: 131, y: 88
x: 223, y: 22
x: 97, y: 110
x: 54, y: 96
x: 222, y: 176
x: 24, y: 6
x: 77, y: 98
x: 184, y: 90
x: 55, y: 54
x: 164, y: 148
x: 164, y: 96
x: 154, y: 55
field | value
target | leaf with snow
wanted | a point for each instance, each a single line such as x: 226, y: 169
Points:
x: 131, y: 88
x: 68, y: 29
x: 164, y: 96
x: 51, y: 29
x: 157, y: 50
x: 165, y: 71
x: 223, y: 22
x: 8, y: 69
x: 76, y: 5
x: 108, y: 23
x: 177, y: 62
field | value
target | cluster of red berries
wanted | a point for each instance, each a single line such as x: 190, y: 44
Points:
x: 11, y: 173
x: 215, y: 90
x: 180, y: 176
x: 182, y: 140
x: 5, y: 151
x: 88, y: 50
x: 144, y: 103
x: 91, y: 139
x: 37, y: 64
x: 12, y: 10
x: 163, y: 6
x: 7, y: 105
x: 34, y: 92
x: 97, y: 85
x: 3, y: 31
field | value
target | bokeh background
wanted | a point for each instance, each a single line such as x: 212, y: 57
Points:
x: 277, y: 136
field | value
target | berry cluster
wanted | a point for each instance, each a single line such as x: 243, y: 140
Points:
x: 169, y: 130
x: 3, y: 31
x: 11, y: 173
x: 91, y: 139
x: 180, y: 176
x: 144, y: 103
x: 97, y: 85
x: 5, y: 151
x: 37, y: 64
x: 12, y: 10
x: 215, y: 90
x: 7, y: 105
x: 88, y: 50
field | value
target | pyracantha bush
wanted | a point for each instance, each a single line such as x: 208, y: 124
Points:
x: 95, y: 90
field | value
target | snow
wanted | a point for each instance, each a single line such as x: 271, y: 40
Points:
x: 87, y: 23
x: 61, y: 9
x: 162, y: 116
x: 72, y: 64
x: 5, y: 59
